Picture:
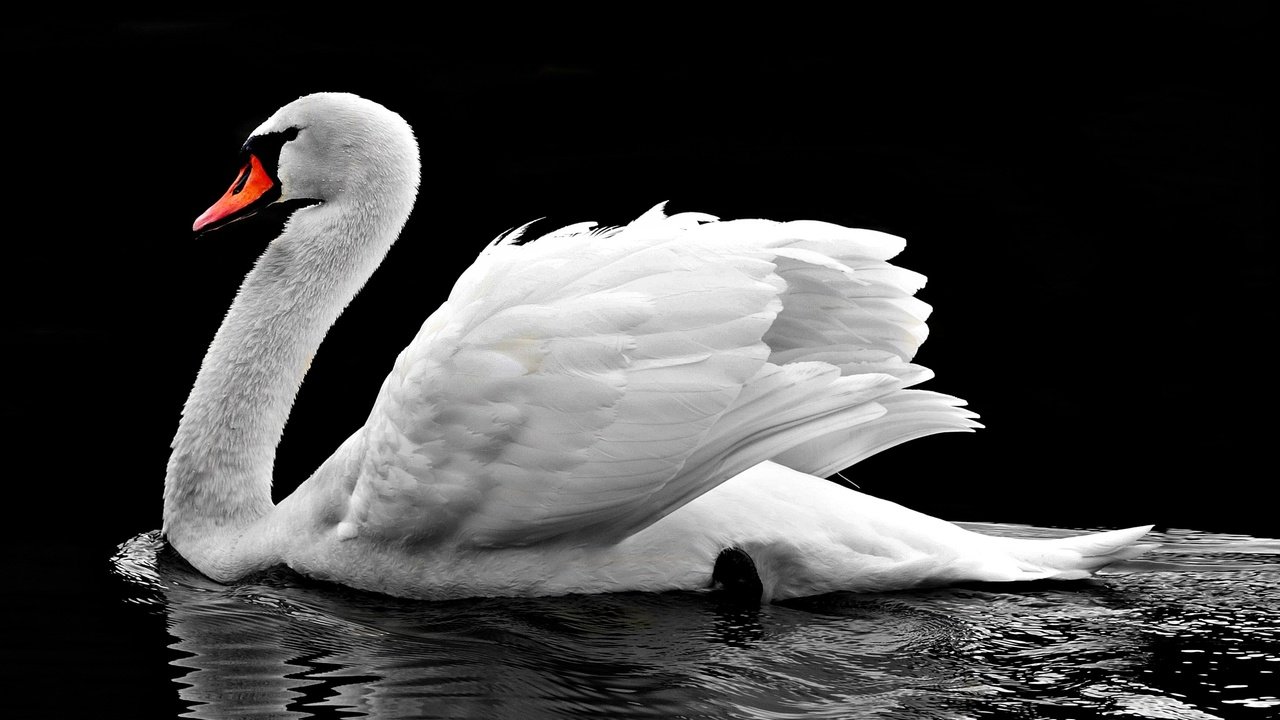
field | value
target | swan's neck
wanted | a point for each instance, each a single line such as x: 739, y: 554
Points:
x: 219, y: 474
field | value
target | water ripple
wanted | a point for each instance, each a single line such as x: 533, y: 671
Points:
x: 1191, y: 633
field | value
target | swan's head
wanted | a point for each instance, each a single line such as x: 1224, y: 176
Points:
x: 319, y: 148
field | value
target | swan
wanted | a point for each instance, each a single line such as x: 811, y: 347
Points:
x: 649, y: 407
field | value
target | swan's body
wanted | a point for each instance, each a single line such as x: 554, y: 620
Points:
x: 594, y: 411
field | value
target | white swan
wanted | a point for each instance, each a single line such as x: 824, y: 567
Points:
x: 594, y: 411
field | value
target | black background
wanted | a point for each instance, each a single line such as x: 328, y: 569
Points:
x: 1084, y: 187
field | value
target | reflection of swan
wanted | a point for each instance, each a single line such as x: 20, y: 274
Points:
x: 279, y: 645
x: 315, y: 650
x: 593, y: 411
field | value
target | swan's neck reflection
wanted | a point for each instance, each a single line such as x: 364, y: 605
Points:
x: 282, y: 646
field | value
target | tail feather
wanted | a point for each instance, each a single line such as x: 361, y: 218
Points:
x: 1080, y: 556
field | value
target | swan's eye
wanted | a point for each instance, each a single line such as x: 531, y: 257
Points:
x: 268, y: 146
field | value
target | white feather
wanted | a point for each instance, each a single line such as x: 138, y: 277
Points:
x: 599, y: 409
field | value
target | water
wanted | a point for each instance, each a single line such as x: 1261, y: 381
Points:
x: 1191, y: 632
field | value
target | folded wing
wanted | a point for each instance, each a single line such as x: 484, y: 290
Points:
x: 583, y: 385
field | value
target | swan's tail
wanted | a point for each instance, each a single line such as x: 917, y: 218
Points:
x: 1080, y: 556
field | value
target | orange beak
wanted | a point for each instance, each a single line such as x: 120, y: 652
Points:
x: 251, y: 185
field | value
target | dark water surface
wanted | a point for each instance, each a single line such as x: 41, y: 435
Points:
x: 1190, y: 632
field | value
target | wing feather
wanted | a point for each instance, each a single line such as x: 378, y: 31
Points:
x: 587, y: 383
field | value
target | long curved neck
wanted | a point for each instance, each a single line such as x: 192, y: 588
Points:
x: 218, y: 480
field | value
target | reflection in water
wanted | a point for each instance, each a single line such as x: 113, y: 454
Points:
x: 1192, y: 633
